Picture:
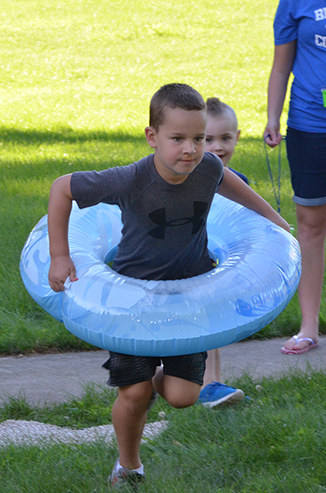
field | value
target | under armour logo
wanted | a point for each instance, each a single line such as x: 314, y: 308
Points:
x: 159, y: 217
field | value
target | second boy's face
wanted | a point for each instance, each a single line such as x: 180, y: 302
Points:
x: 222, y: 136
x: 179, y: 143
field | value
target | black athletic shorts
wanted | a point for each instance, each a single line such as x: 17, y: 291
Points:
x: 306, y: 153
x: 128, y: 370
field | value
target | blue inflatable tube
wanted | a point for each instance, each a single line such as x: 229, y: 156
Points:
x: 258, y: 272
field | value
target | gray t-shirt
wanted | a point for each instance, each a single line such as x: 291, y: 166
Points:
x: 164, y: 226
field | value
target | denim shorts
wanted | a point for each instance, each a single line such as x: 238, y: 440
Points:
x: 306, y: 153
x: 129, y: 370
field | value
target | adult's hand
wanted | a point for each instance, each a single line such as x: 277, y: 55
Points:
x: 272, y: 135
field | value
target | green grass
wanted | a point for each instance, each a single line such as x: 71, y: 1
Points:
x: 76, y: 80
x: 275, y: 442
x: 96, y: 64
x: 94, y: 409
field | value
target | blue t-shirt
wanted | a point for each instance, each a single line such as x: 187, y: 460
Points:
x: 240, y: 175
x: 305, y: 22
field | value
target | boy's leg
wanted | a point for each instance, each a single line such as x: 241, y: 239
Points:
x: 213, y: 367
x: 129, y: 415
x: 133, y: 376
x: 176, y: 391
x: 180, y: 379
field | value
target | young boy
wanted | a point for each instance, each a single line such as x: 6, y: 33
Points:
x: 176, y: 183
x: 222, y: 135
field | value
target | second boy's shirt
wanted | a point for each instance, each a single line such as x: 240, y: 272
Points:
x: 164, y: 226
x: 305, y: 21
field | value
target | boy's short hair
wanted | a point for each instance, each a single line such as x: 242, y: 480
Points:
x: 173, y: 96
x: 216, y: 108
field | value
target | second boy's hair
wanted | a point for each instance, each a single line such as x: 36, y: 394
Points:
x: 173, y: 96
x: 216, y: 108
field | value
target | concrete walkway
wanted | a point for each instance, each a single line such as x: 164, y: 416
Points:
x: 58, y: 377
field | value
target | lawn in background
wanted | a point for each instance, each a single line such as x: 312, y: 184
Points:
x: 75, y: 84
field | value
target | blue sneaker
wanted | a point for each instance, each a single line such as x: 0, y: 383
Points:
x: 216, y: 393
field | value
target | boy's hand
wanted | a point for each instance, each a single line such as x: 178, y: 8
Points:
x: 60, y: 269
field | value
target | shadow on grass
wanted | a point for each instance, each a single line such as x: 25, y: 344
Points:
x: 64, y: 134
x: 41, y: 155
x: 46, y: 154
x: 71, y: 136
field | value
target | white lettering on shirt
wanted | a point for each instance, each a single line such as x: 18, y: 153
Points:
x: 320, y: 40
x: 320, y: 14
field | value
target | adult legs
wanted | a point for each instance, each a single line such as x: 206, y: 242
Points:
x: 311, y: 236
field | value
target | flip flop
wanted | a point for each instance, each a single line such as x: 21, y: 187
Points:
x: 312, y: 344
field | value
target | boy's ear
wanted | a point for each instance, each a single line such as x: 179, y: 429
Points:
x: 150, y: 134
x: 238, y: 134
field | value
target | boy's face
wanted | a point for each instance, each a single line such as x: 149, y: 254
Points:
x: 179, y: 143
x: 222, y: 136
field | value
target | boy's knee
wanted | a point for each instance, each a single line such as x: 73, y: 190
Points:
x: 136, y: 397
x: 180, y: 402
x: 181, y: 393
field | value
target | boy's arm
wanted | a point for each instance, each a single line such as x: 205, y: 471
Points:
x: 58, y: 219
x: 233, y: 188
x: 283, y: 62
